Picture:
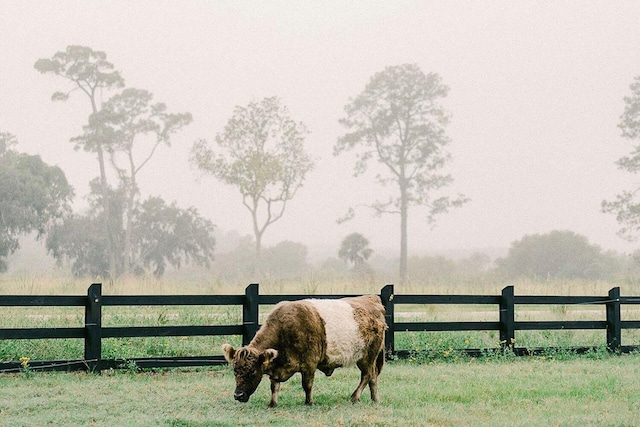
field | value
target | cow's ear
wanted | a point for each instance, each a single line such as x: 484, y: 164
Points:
x: 269, y: 354
x: 229, y: 352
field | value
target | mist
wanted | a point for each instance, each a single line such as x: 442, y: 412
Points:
x: 536, y: 93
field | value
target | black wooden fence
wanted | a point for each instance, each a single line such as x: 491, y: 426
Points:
x: 93, y: 332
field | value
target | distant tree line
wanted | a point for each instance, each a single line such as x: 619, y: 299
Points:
x: 557, y: 255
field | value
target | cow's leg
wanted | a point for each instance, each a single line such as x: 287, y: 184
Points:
x: 365, y: 377
x: 307, y: 384
x: 275, y: 388
x: 373, y: 386
x: 375, y: 372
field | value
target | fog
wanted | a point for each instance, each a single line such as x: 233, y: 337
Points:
x: 536, y: 93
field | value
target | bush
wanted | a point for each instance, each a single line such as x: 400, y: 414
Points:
x: 558, y: 254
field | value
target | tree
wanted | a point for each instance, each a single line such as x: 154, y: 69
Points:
x: 80, y: 241
x: 625, y: 206
x: 398, y: 120
x: 285, y: 260
x: 123, y: 120
x: 355, y: 250
x: 124, y: 132
x: 32, y: 196
x: 90, y: 72
x: 162, y: 236
x: 261, y: 152
x: 562, y: 254
x: 237, y: 261
x: 167, y: 235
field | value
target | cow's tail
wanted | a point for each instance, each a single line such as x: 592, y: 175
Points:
x: 380, y: 361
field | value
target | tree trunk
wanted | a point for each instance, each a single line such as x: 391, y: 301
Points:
x: 404, y: 210
x: 258, y: 235
x: 106, y: 204
x: 132, y: 190
x: 258, y: 247
x: 127, y: 255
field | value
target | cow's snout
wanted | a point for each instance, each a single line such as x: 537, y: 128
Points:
x: 240, y: 396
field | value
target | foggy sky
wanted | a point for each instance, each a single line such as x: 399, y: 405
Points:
x: 536, y: 92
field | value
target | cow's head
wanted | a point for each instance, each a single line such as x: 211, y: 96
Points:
x: 249, y: 364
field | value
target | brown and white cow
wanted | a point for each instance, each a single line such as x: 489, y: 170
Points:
x: 302, y: 336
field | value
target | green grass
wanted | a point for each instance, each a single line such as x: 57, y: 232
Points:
x: 442, y: 389
x: 487, y: 392
x: 58, y: 349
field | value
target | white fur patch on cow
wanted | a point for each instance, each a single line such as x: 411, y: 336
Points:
x: 345, y: 346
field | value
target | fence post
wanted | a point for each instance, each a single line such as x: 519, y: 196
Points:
x: 250, y: 313
x: 386, y: 295
x: 614, y: 325
x: 93, y: 328
x: 507, y: 318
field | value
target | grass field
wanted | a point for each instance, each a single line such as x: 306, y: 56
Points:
x: 579, y: 391
x: 444, y: 389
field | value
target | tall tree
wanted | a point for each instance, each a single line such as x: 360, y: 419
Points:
x: 88, y: 71
x: 399, y: 121
x: 124, y: 120
x: 626, y: 207
x: 261, y: 152
x: 32, y: 196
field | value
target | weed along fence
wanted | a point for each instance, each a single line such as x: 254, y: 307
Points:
x: 93, y: 332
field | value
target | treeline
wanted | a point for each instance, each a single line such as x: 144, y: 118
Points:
x: 550, y: 256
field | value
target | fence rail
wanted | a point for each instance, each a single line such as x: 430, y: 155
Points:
x: 93, y: 332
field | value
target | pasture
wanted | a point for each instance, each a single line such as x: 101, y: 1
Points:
x: 580, y: 391
x: 443, y: 389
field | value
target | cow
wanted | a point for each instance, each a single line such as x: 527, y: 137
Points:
x: 305, y: 335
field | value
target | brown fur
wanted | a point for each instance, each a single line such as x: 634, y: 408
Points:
x: 293, y: 339
x: 369, y: 313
